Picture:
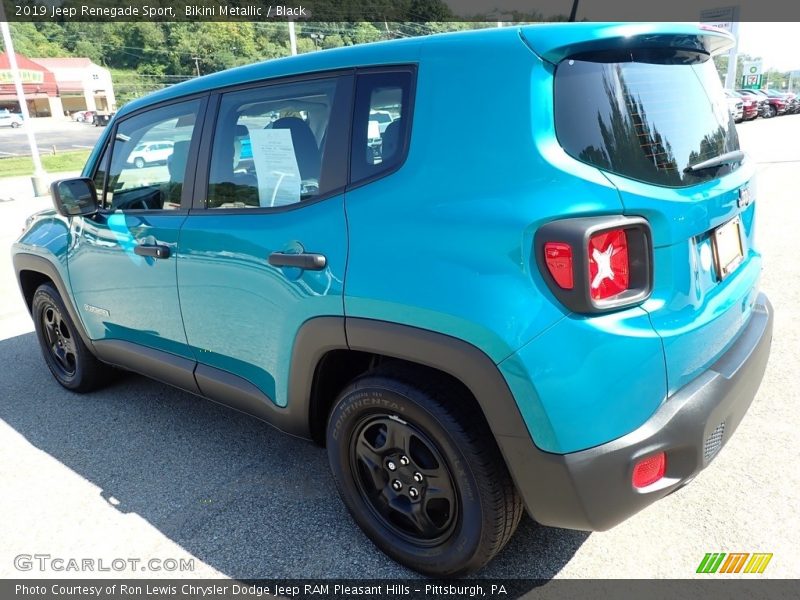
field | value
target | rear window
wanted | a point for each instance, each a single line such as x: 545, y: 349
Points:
x: 646, y: 115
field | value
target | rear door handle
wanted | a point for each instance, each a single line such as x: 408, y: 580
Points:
x: 308, y: 261
x: 152, y: 250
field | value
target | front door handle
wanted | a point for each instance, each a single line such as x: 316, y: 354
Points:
x: 308, y: 261
x: 152, y: 250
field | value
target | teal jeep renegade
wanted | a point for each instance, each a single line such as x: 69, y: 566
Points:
x: 489, y: 270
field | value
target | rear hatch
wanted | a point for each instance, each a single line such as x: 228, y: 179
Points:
x: 644, y: 104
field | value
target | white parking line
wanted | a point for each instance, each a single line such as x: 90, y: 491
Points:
x: 8, y: 153
x: 82, y: 146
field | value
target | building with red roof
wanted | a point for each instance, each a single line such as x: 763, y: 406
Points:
x: 57, y: 86
x: 38, y: 84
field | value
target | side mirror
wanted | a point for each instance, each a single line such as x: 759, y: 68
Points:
x: 74, y: 197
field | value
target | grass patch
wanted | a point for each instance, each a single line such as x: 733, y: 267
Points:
x: 58, y: 163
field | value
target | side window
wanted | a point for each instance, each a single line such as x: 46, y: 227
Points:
x: 380, y: 123
x: 270, y: 143
x: 149, y: 154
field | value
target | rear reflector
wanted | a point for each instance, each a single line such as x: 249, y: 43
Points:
x: 648, y: 471
x: 609, y: 271
x: 558, y: 257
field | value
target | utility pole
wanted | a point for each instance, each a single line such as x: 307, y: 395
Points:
x: 292, y: 38
x: 573, y: 13
x: 196, y: 60
x: 39, y: 176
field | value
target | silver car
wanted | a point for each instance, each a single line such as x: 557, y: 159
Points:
x: 9, y: 119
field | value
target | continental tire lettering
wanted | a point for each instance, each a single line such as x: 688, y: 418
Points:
x: 365, y: 398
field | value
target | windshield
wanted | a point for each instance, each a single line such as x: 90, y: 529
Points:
x: 646, y: 115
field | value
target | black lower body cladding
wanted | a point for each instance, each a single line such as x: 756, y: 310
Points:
x: 592, y: 489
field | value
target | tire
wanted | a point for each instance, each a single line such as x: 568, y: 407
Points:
x: 14, y: 125
x: 139, y: 162
x: 407, y: 425
x: 67, y: 357
x: 773, y: 112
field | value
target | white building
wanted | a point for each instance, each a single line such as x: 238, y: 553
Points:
x: 82, y: 85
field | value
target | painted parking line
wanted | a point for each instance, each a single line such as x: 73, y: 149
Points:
x: 7, y: 153
x: 82, y: 146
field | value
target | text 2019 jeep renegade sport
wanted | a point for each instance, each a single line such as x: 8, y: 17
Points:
x: 556, y: 309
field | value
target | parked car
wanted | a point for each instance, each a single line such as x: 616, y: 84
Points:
x: 789, y: 99
x: 83, y: 116
x: 561, y: 312
x: 735, y: 106
x: 749, y: 105
x: 9, y: 119
x: 102, y: 119
x: 151, y: 153
x: 775, y: 106
x: 764, y: 109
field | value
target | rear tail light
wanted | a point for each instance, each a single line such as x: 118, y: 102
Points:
x: 596, y: 264
x: 608, y: 264
x: 648, y: 471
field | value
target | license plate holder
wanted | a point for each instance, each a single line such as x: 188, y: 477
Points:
x: 726, y: 240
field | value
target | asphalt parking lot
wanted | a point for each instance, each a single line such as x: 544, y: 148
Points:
x: 61, y: 134
x: 140, y: 470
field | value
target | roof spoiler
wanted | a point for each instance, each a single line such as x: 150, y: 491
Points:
x: 554, y: 43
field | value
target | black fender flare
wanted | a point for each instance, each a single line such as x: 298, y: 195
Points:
x: 24, y: 261
x: 539, y: 476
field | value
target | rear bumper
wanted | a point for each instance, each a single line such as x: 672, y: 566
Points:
x: 750, y: 113
x: 592, y: 490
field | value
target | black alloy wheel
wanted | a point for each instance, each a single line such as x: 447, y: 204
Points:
x: 405, y: 478
x: 60, y: 341
x: 419, y: 470
x: 69, y: 359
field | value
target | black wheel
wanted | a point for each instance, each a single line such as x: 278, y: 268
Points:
x: 67, y: 357
x: 773, y: 111
x: 14, y: 125
x: 417, y: 467
x: 139, y: 162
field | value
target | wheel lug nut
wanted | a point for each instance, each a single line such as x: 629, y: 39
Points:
x: 418, y: 477
x: 396, y: 485
x: 404, y: 460
x: 391, y: 466
x: 413, y: 492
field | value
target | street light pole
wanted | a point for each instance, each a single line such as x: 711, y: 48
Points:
x: 39, y: 175
x: 292, y: 38
x: 730, y: 75
x: 317, y: 37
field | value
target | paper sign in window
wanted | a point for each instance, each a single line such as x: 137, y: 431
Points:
x: 276, y: 167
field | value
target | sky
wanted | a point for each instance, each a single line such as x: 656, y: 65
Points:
x: 778, y: 44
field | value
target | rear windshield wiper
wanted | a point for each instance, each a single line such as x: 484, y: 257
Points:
x: 723, y: 159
